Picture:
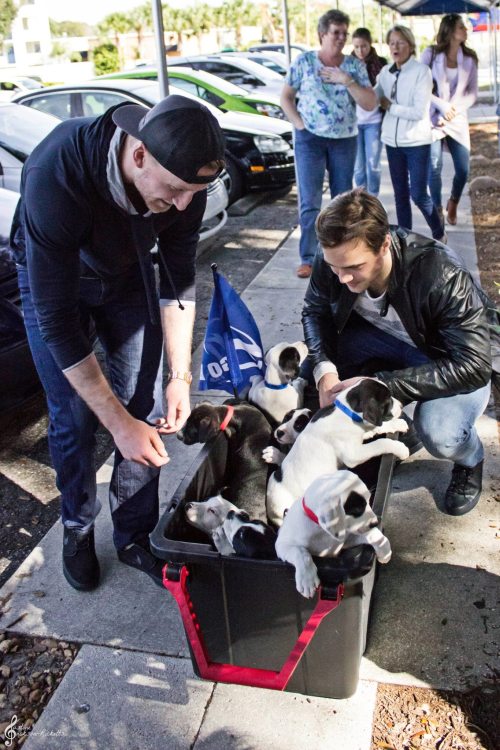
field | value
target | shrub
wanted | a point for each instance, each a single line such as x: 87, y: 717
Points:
x: 106, y: 59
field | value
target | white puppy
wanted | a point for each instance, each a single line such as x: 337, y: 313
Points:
x: 209, y: 516
x: 334, y: 438
x: 334, y: 513
x: 281, y: 389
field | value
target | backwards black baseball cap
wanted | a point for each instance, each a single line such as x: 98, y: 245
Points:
x: 181, y: 134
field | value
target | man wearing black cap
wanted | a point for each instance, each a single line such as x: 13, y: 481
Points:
x: 96, y: 196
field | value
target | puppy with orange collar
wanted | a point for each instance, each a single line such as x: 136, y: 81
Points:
x: 247, y: 432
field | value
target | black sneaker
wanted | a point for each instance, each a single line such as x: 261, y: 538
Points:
x: 465, y: 489
x: 80, y: 563
x: 138, y: 556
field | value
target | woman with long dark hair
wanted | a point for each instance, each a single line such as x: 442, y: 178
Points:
x: 454, y: 70
x: 367, y: 166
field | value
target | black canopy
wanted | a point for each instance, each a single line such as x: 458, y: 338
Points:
x: 437, y: 7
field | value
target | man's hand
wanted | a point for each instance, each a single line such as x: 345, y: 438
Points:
x: 139, y: 442
x: 178, y: 407
x: 325, y: 388
x: 384, y: 103
x: 450, y: 113
x: 343, y: 384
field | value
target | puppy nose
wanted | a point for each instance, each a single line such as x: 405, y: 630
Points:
x: 373, y: 524
x: 279, y: 433
x: 180, y: 435
x: 188, y: 506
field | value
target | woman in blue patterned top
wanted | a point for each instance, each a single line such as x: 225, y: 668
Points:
x: 328, y: 85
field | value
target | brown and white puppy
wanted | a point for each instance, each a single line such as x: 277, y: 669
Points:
x: 334, y: 439
x: 281, y: 389
x: 334, y: 513
x: 286, y: 433
x: 247, y: 432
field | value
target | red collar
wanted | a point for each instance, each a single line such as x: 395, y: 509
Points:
x: 309, y: 513
x: 227, y: 418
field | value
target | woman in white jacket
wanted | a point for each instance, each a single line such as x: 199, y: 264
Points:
x: 454, y: 70
x: 404, y: 91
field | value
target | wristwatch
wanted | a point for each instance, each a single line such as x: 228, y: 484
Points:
x: 178, y: 375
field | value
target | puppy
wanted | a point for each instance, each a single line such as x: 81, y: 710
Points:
x: 334, y: 513
x: 249, y: 538
x: 209, y: 516
x: 247, y: 432
x: 334, y: 438
x: 281, y: 389
x: 286, y: 434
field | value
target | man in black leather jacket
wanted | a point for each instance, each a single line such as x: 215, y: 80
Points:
x: 403, y: 308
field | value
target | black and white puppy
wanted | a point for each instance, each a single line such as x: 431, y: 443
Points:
x: 249, y: 538
x: 231, y: 530
x: 281, y: 389
x: 209, y: 516
x: 247, y: 432
x: 334, y: 438
x: 334, y: 513
x: 286, y: 433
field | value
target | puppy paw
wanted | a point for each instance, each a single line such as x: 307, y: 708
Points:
x: 399, y: 425
x: 221, y: 542
x: 307, y: 581
x: 272, y: 455
x: 400, y: 450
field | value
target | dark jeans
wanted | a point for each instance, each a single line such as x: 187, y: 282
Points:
x: 133, y: 350
x: 446, y: 425
x: 409, y: 169
x: 313, y: 155
x: 460, y: 156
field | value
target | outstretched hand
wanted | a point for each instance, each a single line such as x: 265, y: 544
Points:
x: 178, y: 407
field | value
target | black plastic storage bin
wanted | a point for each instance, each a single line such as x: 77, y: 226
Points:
x: 244, y: 619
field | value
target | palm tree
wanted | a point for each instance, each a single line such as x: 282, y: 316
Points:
x: 141, y: 19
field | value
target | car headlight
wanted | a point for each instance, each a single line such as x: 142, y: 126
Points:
x: 271, y: 144
x: 271, y: 110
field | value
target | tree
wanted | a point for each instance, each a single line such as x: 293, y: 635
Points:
x: 199, y: 18
x: 237, y: 13
x: 141, y: 19
x: 8, y: 12
x: 58, y: 51
x: 69, y: 28
x: 106, y: 59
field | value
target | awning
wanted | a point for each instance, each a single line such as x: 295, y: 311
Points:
x: 437, y: 7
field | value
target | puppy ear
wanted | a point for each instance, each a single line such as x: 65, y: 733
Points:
x: 355, y: 505
x: 207, y: 429
x: 289, y: 362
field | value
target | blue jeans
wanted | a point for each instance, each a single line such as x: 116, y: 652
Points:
x: 446, y: 426
x: 133, y: 350
x: 460, y: 156
x: 409, y: 169
x: 314, y: 154
x: 367, y: 167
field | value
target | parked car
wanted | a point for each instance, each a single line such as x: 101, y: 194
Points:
x: 295, y: 49
x: 238, y: 70
x: 11, y: 86
x: 272, y: 60
x: 259, y: 149
x: 20, y: 132
x: 19, y: 377
x: 21, y: 129
x: 219, y: 92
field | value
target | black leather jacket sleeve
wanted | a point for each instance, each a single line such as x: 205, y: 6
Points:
x: 439, y: 306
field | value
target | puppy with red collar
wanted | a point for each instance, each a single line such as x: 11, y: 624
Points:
x: 247, y: 432
x: 281, y: 389
x: 334, y: 513
x: 334, y: 438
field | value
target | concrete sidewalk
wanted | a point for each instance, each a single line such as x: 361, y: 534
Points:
x: 433, y: 618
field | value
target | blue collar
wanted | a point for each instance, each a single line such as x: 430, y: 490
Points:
x: 275, y: 387
x: 354, y: 416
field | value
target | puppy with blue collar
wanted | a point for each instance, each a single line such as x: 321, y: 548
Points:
x: 282, y: 389
x: 333, y: 513
x: 335, y: 438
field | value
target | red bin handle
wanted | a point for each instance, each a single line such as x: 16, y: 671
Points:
x: 217, y: 672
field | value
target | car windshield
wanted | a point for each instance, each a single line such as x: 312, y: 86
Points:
x: 21, y: 129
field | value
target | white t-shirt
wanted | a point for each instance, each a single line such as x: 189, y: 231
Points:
x: 370, y: 308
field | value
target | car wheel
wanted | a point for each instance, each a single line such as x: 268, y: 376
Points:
x: 236, y: 188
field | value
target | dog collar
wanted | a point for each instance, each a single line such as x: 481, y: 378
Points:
x: 227, y: 418
x: 309, y: 513
x: 350, y: 413
x: 275, y: 387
